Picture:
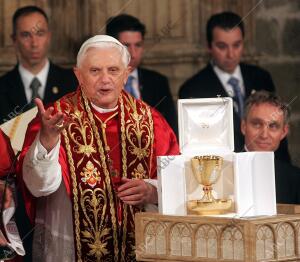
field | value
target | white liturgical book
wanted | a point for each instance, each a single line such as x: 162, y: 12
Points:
x: 16, y: 128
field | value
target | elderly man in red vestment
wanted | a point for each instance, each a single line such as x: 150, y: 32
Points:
x: 89, y: 162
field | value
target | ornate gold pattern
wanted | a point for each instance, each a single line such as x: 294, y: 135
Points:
x: 106, y: 173
x: 139, y: 172
x: 124, y: 167
x: 84, y: 145
x: 95, y: 233
x: 134, y: 131
x: 90, y: 174
x: 74, y: 189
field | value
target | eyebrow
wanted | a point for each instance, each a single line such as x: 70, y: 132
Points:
x: 264, y: 121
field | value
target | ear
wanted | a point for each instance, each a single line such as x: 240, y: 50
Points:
x: 13, y: 37
x: 126, y: 74
x: 50, y: 35
x: 208, y: 48
x: 285, y: 131
x: 130, y: 69
x: 243, y: 127
x: 78, y: 74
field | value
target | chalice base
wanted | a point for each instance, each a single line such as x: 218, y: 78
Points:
x: 216, y: 207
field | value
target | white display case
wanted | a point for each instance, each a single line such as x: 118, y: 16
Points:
x: 206, y: 128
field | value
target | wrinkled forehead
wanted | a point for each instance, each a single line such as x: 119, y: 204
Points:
x: 267, y: 112
x: 102, y: 57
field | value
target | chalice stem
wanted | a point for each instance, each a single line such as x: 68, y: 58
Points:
x: 208, y: 196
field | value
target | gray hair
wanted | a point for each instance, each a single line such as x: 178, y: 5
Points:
x: 262, y: 97
x: 103, y: 41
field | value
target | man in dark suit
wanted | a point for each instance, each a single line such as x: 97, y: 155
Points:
x: 34, y: 75
x: 225, y: 75
x: 148, y: 85
x: 264, y: 125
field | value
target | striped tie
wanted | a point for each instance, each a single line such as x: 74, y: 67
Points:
x: 129, y: 87
x: 238, y: 96
x: 34, y: 86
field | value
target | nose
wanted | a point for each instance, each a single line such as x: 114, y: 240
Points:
x: 105, y: 77
x: 264, y: 131
x: 230, y: 52
x: 132, y: 51
x: 34, y: 40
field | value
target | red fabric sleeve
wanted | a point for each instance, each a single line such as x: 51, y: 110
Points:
x: 165, y: 141
x: 6, y: 155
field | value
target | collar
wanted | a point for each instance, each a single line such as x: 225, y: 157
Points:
x: 135, y: 74
x: 104, y: 110
x: 226, y: 76
x: 27, y: 76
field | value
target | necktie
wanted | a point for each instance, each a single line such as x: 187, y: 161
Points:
x: 238, y: 96
x: 34, y: 86
x: 129, y: 87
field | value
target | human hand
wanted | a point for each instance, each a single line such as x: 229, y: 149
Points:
x: 8, y: 195
x: 137, y: 192
x: 51, y: 125
x: 3, y: 241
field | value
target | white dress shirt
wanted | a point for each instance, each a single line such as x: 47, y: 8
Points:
x: 135, y: 82
x: 27, y: 77
x: 224, y: 78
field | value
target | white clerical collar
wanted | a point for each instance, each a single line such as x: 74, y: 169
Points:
x: 104, y: 110
x: 27, y: 78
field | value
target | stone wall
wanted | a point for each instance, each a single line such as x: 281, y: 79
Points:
x: 175, y: 40
x: 278, y: 46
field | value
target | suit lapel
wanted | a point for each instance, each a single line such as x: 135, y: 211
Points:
x: 142, y: 85
x: 215, y: 82
x: 16, y: 93
x: 53, y: 86
x: 247, y: 80
x: 49, y: 83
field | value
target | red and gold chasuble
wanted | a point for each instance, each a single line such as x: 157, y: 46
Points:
x: 103, y: 225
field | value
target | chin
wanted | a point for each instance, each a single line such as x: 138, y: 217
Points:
x: 264, y: 149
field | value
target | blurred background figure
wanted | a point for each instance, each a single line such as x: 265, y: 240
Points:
x: 148, y: 85
x: 34, y: 75
x: 225, y: 74
x: 265, y: 125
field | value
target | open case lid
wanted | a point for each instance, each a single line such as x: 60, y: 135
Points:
x: 205, y: 123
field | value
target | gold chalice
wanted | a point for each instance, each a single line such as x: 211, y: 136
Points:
x: 207, y: 170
